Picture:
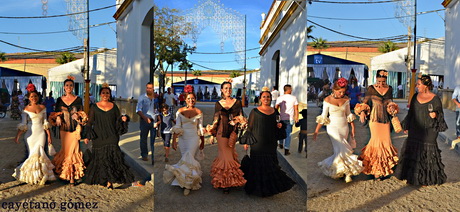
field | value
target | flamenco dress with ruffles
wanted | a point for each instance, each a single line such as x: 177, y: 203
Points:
x: 187, y: 172
x: 107, y: 162
x: 379, y: 156
x: 421, y: 158
x: 37, y: 168
x: 343, y: 162
x: 225, y: 169
x: 262, y: 171
x: 68, y: 161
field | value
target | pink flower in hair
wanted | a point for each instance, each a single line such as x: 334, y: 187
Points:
x: 188, y: 89
x: 342, y: 82
x: 30, y: 87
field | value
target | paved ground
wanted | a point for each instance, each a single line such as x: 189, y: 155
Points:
x: 93, y: 197
x: 365, y: 194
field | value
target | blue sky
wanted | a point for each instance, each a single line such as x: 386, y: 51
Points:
x: 428, y: 25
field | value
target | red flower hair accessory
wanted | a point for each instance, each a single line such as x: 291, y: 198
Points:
x: 342, y: 82
x: 70, y: 77
x: 188, y: 89
x: 230, y: 80
x: 30, y: 87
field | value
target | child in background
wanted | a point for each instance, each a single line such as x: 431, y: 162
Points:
x: 167, y: 122
x: 303, y: 131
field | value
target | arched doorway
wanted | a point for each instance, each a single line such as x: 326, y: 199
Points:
x: 276, y: 67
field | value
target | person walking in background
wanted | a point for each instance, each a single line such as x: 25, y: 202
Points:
x: 37, y: 168
x: 225, y: 170
x: 275, y: 94
x: 21, y: 100
x: 456, y: 100
x: 400, y: 91
x: 105, y: 125
x: 169, y: 99
x: 167, y: 122
x: 289, y: 113
x: 263, y: 173
x: 70, y: 118
x: 49, y: 104
x: 148, y: 122
x: 15, y: 108
x: 379, y: 156
x: 336, y: 116
x: 303, y: 132
x: 420, y: 156
x: 189, y: 128
x: 354, y: 92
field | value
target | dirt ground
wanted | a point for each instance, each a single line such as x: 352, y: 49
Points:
x: 366, y: 194
x: 171, y: 198
x: 58, y: 195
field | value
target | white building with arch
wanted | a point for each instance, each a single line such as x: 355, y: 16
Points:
x: 134, y: 44
x: 452, y: 47
x: 283, y: 40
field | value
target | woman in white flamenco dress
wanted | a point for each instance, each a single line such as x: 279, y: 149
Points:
x: 343, y: 163
x: 37, y: 168
x: 187, y: 172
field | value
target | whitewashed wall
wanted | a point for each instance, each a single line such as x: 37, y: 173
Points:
x: 452, y: 47
x: 291, y: 42
x: 133, y: 42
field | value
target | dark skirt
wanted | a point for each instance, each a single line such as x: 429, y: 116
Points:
x: 108, y: 165
x: 421, y: 162
x: 264, y: 176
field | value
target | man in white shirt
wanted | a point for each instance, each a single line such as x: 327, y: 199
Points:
x: 289, y: 114
x: 275, y: 95
x: 456, y: 100
x: 170, y: 100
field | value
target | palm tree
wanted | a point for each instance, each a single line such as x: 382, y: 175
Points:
x: 196, y: 73
x: 320, y: 43
x: 235, y: 74
x: 3, y: 57
x: 387, y: 46
x: 309, y: 30
x: 65, y: 57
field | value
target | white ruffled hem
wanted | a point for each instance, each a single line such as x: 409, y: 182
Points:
x: 323, y: 120
x: 186, y: 173
x: 35, y: 170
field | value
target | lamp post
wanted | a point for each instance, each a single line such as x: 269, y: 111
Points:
x: 243, y: 99
x: 414, y: 70
x: 86, y: 44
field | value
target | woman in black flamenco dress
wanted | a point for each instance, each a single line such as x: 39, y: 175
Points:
x: 105, y: 125
x: 262, y: 171
x: 421, y: 158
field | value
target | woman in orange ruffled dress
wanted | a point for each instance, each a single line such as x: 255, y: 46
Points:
x: 69, y: 117
x: 225, y: 170
x: 379, y: 156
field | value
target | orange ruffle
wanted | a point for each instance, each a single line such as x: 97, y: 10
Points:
x: 378, y: 161
x: 69, y: 166
x: 226, y: 174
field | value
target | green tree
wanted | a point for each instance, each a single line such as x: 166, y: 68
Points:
x: 320, y: 43
x: 196, y: 73
x: 387, y: 46
x: 169, y: 48
x: 65, y: 57
x: 3, y: 57
x: 309, y: 31
x: 235, y: 74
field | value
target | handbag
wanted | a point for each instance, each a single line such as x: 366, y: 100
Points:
x: 280, y: 133
x: 51, y: 150
x: 396, y: 124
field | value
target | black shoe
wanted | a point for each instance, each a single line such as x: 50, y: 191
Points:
x: 281, y: 146
x: 299, y: 151
x: 286, y: 152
